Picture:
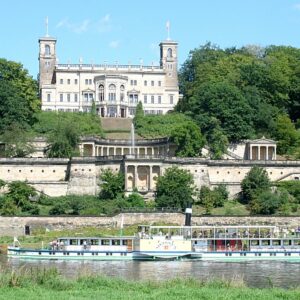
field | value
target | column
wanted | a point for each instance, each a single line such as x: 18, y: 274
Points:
x: 101, y: 151
x: 258, y: 152
x: 267, y: 154
x: 274, y: 153
x: 250, y: 152
x: 93, y: 152
x: 150, y: 179
x: 135, y: 177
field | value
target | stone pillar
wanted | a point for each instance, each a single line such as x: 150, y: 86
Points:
x: 81, y: 149
x: 258, y: 152
x: 126, y: 177
x: 267, y: 154
x: 250, y: 152
x: 135, y: 177
x: 274, y: 153
x: 150, y: 186
x: 101, y: 151
x: 93, y: 152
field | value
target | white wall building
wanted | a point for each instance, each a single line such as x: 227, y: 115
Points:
x: 115, y: 89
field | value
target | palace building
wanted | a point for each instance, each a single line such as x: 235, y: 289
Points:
x: 115, y: 89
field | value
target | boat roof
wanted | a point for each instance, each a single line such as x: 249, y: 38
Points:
x: 96, y: 237
x: 212, y: 226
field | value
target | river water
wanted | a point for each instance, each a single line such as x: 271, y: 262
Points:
x: 253, y: 273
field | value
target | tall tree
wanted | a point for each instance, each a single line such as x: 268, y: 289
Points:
x: 175, y: 188
x: 18, y: 95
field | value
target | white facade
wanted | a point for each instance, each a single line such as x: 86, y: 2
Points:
x: 115, y: 89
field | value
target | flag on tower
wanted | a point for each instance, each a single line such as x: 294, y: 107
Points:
x: 168, y: 29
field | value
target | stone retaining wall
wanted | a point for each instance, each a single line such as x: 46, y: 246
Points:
x: 15, y: 226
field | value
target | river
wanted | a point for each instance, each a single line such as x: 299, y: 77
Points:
x: 253, y: 273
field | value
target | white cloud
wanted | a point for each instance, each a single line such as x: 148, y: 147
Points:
x: 75, y: 27
x: 114, y: 44
x: 297, y: 6
x: 104, y: 24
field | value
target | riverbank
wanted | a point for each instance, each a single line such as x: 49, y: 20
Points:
x: 37, y: 283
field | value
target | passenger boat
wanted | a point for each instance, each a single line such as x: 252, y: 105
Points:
x: 176, y: 243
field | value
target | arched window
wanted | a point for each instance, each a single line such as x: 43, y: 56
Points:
x: 47, y: 50
x: 169, y: 53
x: 112, y: 92
x: 122, y: 93
x: 101, y: 93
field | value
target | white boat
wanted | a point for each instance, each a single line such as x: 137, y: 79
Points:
x: 175, y: 243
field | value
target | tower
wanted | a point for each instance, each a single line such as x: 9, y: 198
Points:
x: 47, y: 60
x: 168, y: 61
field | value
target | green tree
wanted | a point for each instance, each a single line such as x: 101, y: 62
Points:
x: 255, y: 182
x: 175, y: 188
x: 63, y: 140
x: 286, y: 134
x: 18, y: 198
x: 17, y: 141
x: 188, y: 140
x: 206, y: 198
x: 139, y: 113
x: 18, y: 95
x: 135, y: 200
x: 111, y: 184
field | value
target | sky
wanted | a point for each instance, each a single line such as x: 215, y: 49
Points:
x: 122, y: 31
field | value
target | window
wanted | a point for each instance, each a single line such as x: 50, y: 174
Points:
x: 61, y: 97
x: 152, y: 83
x: 61, y: 81
x: 47, y: 50
x: 75, y: 97
x: 47, y: 64
x: 48, y: 97
x: 169, y: 53
x: 68, y: 97
x: 69, y: 81
x: 90, y: 81
x: 104, y: 242
x: 152, y: 99
x: 76, y: 81
x: 86, y: 81
x: 171, y: 99
x: 101, y: 93
x: 145, y: 99
x: 159, y: 83
x: 145, y: 82
x: 131, y: 111
x: 136, y: 98
x: 112, y: 93
x: 159, y: 99
x: 122, y: 93
x: 131, y: 82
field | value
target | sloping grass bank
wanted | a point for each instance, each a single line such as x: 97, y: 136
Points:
x: 48, y: 284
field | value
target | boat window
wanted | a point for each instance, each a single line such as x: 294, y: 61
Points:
x: 104, y: 242
x: 276, y: 242
x: 255, y: 243
x: 265, y: 243
x: 94, y: 242
x: 297, y: 242
x: 63, y: 242
x: 115, y: 242
x: 125, y: 242
x: 287, y: 242
x: 73, y: 242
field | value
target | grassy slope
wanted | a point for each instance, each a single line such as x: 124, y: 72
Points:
x: 107, y: 288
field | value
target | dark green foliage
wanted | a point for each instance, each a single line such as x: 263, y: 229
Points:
x: 136, y: 200
x: 246, y: 90
x: 213, y: 198
x: 139, y: 112
x: 293, y: 188
x: 175, y: 188
x: 18, y: 199
x: 111, y: 184
x: 18, y: 95
x: 59, y: 208
x: 63, y: 140
x: 255, y: 182
x: 181, y: 129
x: 17, y: 141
